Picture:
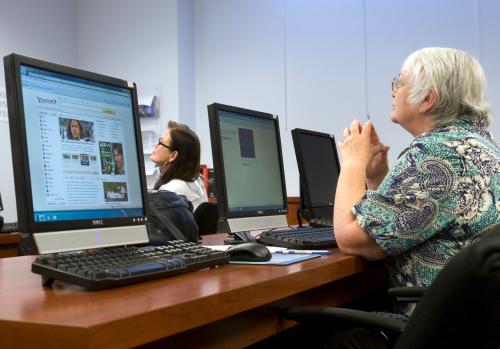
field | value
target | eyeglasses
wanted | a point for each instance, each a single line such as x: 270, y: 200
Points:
x: 164, y: 145
x: 396, y: 84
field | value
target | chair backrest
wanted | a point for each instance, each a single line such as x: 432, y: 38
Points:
x: 461, y: 309
x: 206, y: 216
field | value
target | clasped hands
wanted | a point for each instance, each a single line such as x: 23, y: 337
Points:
x: 361, y: 147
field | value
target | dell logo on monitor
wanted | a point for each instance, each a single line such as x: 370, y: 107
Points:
x: 97, y: 222
x: 260, y: 212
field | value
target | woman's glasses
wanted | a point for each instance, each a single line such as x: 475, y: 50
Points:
x: 164, y: 145
x: 396, y: 84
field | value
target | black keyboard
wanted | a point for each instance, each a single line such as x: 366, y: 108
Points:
x: 10, y: 227
x: 118, y: 266
x: 307, y: 238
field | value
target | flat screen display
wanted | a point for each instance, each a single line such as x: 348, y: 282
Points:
x: 319, y: 168
x: 247, y: 161
x: 81, y: 147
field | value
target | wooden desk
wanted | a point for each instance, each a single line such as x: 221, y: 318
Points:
x: 226, y: 307
x: 9, y: 242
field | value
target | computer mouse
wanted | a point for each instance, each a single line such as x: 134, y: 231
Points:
x: 249, y: 252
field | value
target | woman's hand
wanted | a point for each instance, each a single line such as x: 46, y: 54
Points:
x: 378, y: 167
x: 360, y: 144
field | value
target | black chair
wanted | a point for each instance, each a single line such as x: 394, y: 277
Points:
x: 206, y: 216
x: 461, y: 309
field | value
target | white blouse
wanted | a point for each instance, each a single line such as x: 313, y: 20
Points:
x: 194, y: 191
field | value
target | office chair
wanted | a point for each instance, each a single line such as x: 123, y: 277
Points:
x: 461, y: 309
x: 206, y: 216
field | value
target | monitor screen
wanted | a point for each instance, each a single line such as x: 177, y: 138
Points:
x: 248, y: 162
x: 319, y: 170
x: 76, y: 148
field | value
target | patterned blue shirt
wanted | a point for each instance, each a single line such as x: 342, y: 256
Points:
x: 441, y: 194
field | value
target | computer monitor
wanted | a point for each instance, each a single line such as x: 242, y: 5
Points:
x: 77, y: 156
x: 248, y: 164
x: 319, y: 170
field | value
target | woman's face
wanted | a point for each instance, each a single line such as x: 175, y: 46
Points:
x: 75, y: 129
x: 118, y: 157
x: 402, y: 112
x: 161, y: 153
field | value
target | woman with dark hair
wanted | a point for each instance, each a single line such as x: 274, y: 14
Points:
x: 74, y: 130
x: 177, y: 153
x: 118, y: 159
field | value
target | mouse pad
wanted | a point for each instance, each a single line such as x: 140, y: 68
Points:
x: 281, y: 259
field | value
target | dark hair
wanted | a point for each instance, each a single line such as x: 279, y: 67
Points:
x: 68, y: 128
x: 117, y: 147
x: 187, y: 164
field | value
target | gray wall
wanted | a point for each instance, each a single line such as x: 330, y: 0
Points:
x: 316, y: 63
x: 133, y: 40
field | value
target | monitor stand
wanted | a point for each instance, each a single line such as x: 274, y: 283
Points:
x: 240, y: 228
x: 257, y: 223
x: 73, y: 240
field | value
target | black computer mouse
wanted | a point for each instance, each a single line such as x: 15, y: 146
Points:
x: 249, y: 252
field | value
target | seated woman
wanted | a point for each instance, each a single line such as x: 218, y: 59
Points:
x: 442, y: 193
x: 177, y: 153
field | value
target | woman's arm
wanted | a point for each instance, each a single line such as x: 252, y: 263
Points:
x: 358, y: 150
x: 349, y: 235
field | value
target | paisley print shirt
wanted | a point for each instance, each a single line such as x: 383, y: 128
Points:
x: 441, y: 194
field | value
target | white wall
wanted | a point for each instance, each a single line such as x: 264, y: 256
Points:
x: 132, y: 40
x: 42, y: 29
x: 489, y: 47
x: 185, y: 59
x: 319, y: 64
x: 239, y: 51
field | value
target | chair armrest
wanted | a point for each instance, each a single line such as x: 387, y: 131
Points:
x: 407, y: 294
x: 354, y: 317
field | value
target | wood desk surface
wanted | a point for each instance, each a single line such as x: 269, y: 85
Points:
x: 70, y: 317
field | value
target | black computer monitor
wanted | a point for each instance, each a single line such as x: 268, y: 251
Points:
x: 248, y: 164
x: 65, y: 124
x: 319, y: 170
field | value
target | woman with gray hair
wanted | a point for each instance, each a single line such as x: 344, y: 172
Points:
x: 442, y: 193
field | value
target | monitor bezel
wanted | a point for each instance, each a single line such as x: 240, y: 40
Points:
x: 308, y: 209
x: 218, y: 163
x: 17, y: 126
